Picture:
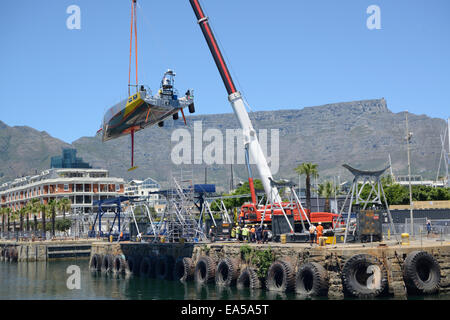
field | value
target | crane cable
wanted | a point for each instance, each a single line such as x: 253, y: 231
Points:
x: 133, y: 23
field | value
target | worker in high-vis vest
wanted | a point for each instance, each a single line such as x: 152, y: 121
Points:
x: 241, y: 217
x: 233, y: 233
x: 319, y: 230
x: 245, y: 233
x: 239, y: 233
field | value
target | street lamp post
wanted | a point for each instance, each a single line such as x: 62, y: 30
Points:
x: 408, y: 142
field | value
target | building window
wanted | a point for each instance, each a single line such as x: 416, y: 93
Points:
x: 117, y: 187
x: 66, y: 187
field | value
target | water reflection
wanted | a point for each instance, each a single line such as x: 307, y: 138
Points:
x: 42, y: 280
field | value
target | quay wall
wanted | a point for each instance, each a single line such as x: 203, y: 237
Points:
x: 332, y: 258
x: 29, y: 251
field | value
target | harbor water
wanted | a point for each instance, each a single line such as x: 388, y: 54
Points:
x: 49, y: 281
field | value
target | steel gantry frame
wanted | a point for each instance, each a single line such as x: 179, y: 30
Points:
x: 376, y: 195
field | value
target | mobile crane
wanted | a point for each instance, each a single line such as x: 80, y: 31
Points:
x: 253, y: 212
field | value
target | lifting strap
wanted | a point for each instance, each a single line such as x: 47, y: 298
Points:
x: 133, y: 24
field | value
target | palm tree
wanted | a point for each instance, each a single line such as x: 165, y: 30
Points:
x: 64, y: 205
x: 44, y: 211
x: 22, y: 211
x: 28, y: 211
x: 35, y: 209
x: 8, y: 213
x: 53, y: 205
x: 326, y: 190
x: 309, y: 170
x: 3, y: 214
x: 14, y: 215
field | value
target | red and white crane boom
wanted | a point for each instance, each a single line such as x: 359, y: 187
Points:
x: 234, y: 96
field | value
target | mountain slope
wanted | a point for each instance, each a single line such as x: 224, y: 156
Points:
x: 24, y: 150
x: 361, y: 133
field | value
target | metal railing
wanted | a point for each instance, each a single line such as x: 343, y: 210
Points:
x: 440, y: 229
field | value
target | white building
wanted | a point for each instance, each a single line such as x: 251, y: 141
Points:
x: 145, y: 191
x: 81, y: 186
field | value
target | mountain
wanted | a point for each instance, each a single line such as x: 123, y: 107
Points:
x: 24, y: 150
x: 360, y: 133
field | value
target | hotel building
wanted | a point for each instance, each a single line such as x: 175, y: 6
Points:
x: 81, y: 186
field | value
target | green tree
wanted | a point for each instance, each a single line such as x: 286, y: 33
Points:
x: 327, y: 190
x: 310, y: 171
x: 44, y: 209
x: 63, y: 224
x: 8, y: 214
x: 64, y: 205
x: 29, y: 211
x: 53, y: 206
x: 36, y: 208
x: 3, y: 214
x: 22, y: 212
x: 14, y: 215
x: 238, y: 202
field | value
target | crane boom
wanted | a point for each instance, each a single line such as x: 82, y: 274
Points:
x: 234, y: 96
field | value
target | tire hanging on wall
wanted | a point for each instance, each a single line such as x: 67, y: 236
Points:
x: 13, y: 254
x: 132, y: 265
x: 164, y: 267
x: 421, y: 273
x: 227, y: 272
x: 311, y: 280
x: 107, y: 263
x: 357, y: 273
x: 248, y: 279
x: 95, y: 264
x: 119, y: 265
x: 205, y: 270
x: 146, y: 268
x: 6, y: 250
x: 183, y: 269
x: 280, y: 277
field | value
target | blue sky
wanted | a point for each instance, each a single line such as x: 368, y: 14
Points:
x: 283, y: 54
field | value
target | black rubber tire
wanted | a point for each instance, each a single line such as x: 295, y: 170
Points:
x: 132, y: 265
x: 311, y: 280
x: 191, y: 108
x: 13, y: 254
x: 161, y: 124
x: 175, y: 116
x: 421, y: 273
x: 227, y: 272
x: 146, y: 267
x: 95, y: 264
x: 205, y: 270
x: 119, y: 265
x: 280, y: 277
x: 183, y: 269
x: 248, y: 279
x: 107, y: 263
x: 6, y: 254
x: 355, y: 276
x: 164, y: 267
